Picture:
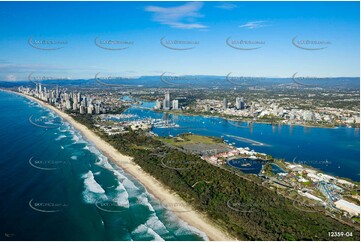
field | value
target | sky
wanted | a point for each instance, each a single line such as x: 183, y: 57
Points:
x: 263, y: 39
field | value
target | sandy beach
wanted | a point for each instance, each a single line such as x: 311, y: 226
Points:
x: 160, y: 191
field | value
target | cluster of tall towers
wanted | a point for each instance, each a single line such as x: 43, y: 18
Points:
x: 167, y: 103
x: 66, y: 100
x: 239, y: 103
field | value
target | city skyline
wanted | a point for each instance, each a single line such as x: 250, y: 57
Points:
x: 180, y: 121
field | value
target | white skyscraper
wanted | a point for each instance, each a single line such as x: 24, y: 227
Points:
x: 75, y: 106
x: 225, y: 103
x: 68, y: 104
x: 97, y: 108
x: 239, y: 103
x: 79, y: 97
x: 166, y: 102
x: 175, y: 104
x: 90, y: 109
x: 82, y: 109
x: 252, y: 109
x: 57, y: 92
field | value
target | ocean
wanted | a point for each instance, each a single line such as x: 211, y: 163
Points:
x: 55, y: 185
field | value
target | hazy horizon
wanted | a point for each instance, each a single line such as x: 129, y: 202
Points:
x: 80, y: 39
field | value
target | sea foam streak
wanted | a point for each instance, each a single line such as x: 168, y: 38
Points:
x: 91, y: 184
x: 122, y: 197
x: 183, y: 227
x: 157, y: 225
x: 143, y: 229
x: 153, y: 223
x: 95, y: 192
x: 61, y: 137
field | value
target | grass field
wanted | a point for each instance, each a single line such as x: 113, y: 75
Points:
x: 188, y: 139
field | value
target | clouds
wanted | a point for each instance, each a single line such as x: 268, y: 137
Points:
x: 20, y: 72
x: 27, y: 68
x: 227, y: 6
x: 3, y: 61
x: 10, y: 78
x: 254, y: 24
x: 180, y: 17
x: 187, y: 16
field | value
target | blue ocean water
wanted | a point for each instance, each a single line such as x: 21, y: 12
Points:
x: 335, y: 151
x: 55, y: 185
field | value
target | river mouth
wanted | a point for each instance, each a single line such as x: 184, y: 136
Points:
x: 283, y: 142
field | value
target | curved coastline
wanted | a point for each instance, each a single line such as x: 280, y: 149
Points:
x: 153, y: 186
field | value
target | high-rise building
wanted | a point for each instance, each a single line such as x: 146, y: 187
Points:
x: 90, y: 109
x: 225, y: 103
x: 79, y: 97
x: 308, y: 115
x: 57, y: 92
x: 66, y: 97
x: 75, y: 106
x: 166, y: 102
x: 175, y: 104
x: 207, y: 108
x: 275, y: 109
x: 239, y: 103
x: 82, y: 109
x: 252, y: 109
x: 68, y: 104
x: 97, y: 108
x: 86, y: 101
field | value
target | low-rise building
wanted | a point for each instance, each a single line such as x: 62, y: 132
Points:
x: 351, y: 208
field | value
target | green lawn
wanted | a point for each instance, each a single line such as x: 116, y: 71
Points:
x: 186, y: 139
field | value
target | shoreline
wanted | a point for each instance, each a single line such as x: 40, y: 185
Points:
x: 153, y: 186
x: 255, y: 122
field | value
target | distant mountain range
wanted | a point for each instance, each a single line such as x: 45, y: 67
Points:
x: 201, y: 81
